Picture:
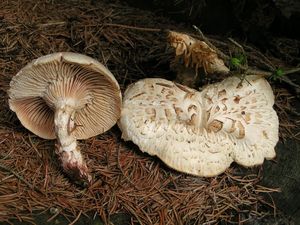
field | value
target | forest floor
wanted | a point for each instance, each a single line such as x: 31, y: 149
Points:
x: 133, y: 44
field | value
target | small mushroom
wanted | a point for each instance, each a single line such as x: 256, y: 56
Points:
x: 67, y: 96
x: 202, y: 133
x: 196, y: 53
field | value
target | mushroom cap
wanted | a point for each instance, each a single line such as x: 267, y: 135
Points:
x: 166, y: 119
x: 244, y: 111
x: 74, y: 79
x: 201, y: 133
x: 196, y: 53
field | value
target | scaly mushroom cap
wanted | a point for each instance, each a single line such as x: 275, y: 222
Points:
x: 167, y: 119
x: 196, y: 53
x: 65, y: 77
x: 201, y: 133
x: 244, y: 111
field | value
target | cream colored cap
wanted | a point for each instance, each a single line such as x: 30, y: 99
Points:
x: 202, y: 133
x: 244, y: 111
x: 166, y: 119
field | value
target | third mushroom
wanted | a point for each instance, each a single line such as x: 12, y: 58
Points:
x: 67, y: 96
x: 202, y: 133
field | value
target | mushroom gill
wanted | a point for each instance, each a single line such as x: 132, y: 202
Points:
x: 67, y: 96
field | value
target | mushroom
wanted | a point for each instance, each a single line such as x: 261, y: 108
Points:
x: 67, y: 96
x: 196, y: 53
x: 202, y: 133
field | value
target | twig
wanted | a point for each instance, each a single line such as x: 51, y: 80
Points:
x: 120, y: 167
x: 241, y: 48
x: 295, y: 113
x: 77, y: 218
x: 34, y: 147
x: 19, y: 177
x: 205, y: 39
x: 283, y: 78
x: 294, y: 70
x: 246, y: 69
x: 51, y: 24
x: 267, y: 63
x: 132, y: 27
x: 286, y: 80
x: 132, y: 211
x: 55, y: 215
x: 237, y: 44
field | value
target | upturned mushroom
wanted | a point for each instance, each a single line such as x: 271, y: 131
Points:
x: 196, y: 53
x: 67, y: 96
x: 202, y: 133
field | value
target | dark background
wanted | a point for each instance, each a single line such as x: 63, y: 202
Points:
x: 256, y: 21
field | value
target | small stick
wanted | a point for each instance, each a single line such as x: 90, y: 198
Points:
x: 265, y: 73
x: 34, y: 147
x: 51, y: 24
x: 220, y: 53
x: 283, y: 78
x: 55, y: 215
x: 20, y: 178
x: 294, y: 70
x: 120, y: 167
x: 132, y: 27
x: 249, y: 70
x: 77, y: 218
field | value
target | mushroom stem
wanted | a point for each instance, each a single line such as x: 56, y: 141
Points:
x: 67, y: 149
